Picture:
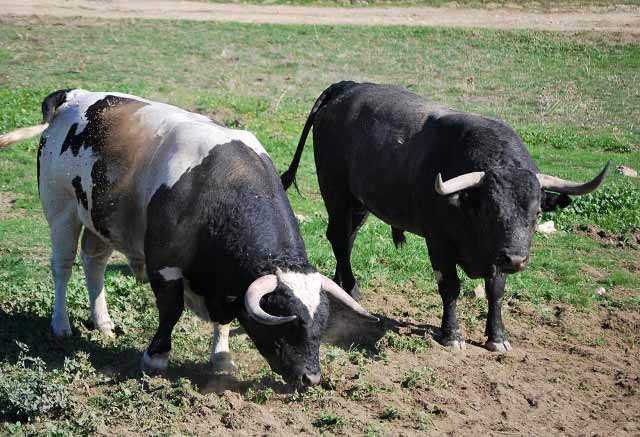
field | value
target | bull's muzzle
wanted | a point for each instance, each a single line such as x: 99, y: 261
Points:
x: 508, y: 263
x: 309, y: 379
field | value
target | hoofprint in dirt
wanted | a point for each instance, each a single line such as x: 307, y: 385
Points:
x: 620, y: 19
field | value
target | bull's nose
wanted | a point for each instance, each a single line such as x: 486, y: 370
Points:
x: 311, y: 378
x: 513, y: 263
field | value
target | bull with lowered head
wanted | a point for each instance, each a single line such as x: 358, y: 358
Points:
x: 464, y: 182
x: 195, y: 206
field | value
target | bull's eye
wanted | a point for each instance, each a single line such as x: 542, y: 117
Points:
x: 538, y: 212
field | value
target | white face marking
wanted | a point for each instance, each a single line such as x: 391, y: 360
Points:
x: 170, y: 273
x: 305, y: 286
x: 438, y: 276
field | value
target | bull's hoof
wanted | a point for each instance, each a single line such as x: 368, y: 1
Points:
x: 107, y: 332
x: 106, y: 328
x: 355, y: 292
x: 456, y: 344
x: 497, y: 346
x: 61, y: 327
x: 155, y: 365
x: 222, y: 362
x: 454, y: 340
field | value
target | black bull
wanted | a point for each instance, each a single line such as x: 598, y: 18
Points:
x: 384, y: 150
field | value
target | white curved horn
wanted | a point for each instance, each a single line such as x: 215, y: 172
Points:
x: 258, y: 288
x: 335, y: 292
x: 462, y: 182
x: 562, y: 186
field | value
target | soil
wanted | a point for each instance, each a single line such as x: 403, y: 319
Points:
x: 570, y: 373
x: 624, y: 19
x: 7, y: 206
x: 631, y: 240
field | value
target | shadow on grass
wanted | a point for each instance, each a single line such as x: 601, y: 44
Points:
x: 35, y: 331
x: 207, y: 381
x: 106, y: 356
x: 347, y: 330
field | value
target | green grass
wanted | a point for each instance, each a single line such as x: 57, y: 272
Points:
x: 574, y: 99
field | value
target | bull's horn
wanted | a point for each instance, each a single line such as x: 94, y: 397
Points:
x: 258, y: 288
x: 335, y: 292
x: 462, y: 182
x: 561, y: 186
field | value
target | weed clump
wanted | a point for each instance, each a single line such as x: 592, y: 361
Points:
x: 405, y: 343
x: 260, y: 397
x: 615, y: 208
x: 329, y: 421
x: 389, y: 413
x: 28, y: 390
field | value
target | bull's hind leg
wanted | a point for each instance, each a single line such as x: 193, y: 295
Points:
x: 167, y: 285
x: 95, y: 255
x: 497, y: 341
x: 346, y: 217
x: 65, y: 229
x: 137, y: 267
x: 398, y: 237
x: 220, y: 355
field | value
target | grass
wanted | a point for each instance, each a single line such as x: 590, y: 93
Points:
x: 573, y: 98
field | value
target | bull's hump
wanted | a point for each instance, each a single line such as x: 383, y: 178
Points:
x: 82, y: 105
x: 185, y: 145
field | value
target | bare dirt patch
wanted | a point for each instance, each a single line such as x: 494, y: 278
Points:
x: 631, y: 240
x: 619, y: 19
x: 7, y: 206
x: 572, y: 372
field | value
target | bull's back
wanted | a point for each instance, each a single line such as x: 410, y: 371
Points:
x: 90, y: 151
x: 371, y: 136
x: 110, y: 152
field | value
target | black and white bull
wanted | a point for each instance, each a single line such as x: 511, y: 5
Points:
x: 384, y: 150
x: 197, y: 206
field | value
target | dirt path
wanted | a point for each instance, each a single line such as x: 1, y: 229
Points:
x: 624, y: 19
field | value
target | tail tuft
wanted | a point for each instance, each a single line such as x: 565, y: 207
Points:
x: 288, y: 178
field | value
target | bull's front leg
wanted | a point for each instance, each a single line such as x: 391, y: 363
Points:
x: 497, y: 341
x: 168, y: 288
x: 220, y: 355
x: 444, y: 269
x: 449, y: 288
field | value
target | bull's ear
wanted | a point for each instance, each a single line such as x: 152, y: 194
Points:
x: 454, y: 200
x: 552, y: 201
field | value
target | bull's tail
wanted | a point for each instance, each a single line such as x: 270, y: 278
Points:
x: 24, y: 133
x: 49, y: 106
x: 289, y: 176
